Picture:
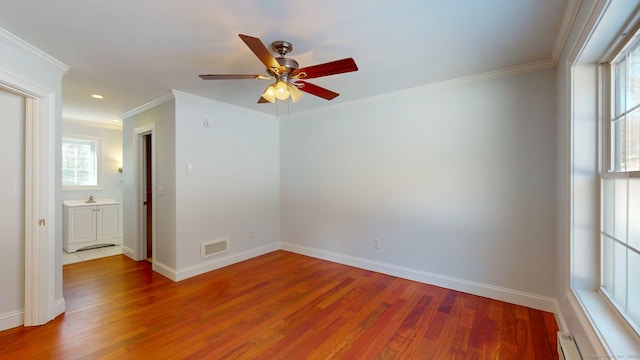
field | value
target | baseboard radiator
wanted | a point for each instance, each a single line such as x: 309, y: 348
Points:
x: 567, y: 348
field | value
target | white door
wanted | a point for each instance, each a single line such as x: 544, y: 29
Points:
x: 27, y: 147
x: 12, y: 210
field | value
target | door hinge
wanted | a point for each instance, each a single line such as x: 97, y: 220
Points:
x: 41, y: 222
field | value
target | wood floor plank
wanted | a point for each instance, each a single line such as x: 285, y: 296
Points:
x: 276, y: 306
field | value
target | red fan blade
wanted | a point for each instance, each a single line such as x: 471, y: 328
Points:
x: 326, y: 69
x: 316, y: 90
x: 232, y: 77
x: 261, y: 51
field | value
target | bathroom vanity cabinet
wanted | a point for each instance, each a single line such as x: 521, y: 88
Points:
x: 91, y: 224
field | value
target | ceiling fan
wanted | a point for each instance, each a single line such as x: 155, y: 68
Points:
x: 287, y: 73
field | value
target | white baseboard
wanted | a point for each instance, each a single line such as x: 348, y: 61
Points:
x: 16, y: 318
x: 164, y: 270
x: 128, y: 252
x: 534, y: 301
x: 199, y: 269
x: 11, y: 320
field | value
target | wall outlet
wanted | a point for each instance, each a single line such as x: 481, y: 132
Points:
x: 252, y: 233
x: 376, y: 243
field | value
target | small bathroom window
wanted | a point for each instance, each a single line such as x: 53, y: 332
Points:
x: 80, y: 162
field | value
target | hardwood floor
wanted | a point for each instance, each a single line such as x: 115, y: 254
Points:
x: 277, y: 306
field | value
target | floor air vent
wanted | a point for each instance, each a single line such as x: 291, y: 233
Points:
x: 567, y: 349
x: 214, y: 247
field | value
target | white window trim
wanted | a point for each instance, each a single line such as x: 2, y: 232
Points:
x: 610, y: 330
x: 99, y: 163
x: 597, y: 327
x: 607, y: 167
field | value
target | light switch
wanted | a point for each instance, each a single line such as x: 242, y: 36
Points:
x: 189, y: 168
x: 160, y: 190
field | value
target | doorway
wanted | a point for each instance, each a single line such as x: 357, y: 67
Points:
x: 148, y: 202
x: 143, y: 199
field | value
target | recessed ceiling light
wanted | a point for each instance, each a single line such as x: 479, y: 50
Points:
x: 97, y: 96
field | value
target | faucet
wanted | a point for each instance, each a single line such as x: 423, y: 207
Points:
x: 90, y: 201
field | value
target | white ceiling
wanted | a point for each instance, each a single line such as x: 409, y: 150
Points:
x: 135, y: 51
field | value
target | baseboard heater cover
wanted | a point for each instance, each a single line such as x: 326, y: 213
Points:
x: 214, y: 247
x: 567, y: 348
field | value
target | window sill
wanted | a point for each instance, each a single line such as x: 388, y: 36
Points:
x: 614, y: 333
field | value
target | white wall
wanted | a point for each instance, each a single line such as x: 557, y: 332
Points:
x: 163, y: 116
x: 457, y: 181
x: 110, y: 138
x: 12, y: 205
x: 232, y: 191
x: 234, y: 185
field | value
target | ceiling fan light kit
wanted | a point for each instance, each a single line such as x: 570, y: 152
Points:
x: 287, y: 73
x: 282, y: 91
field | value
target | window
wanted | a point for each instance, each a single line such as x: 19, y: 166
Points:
x: 625, y: 122
x: 620, y: 189
x: 79, y: 162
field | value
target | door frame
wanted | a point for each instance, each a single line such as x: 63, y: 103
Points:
x: 139, y: 192
x: 40, y: 201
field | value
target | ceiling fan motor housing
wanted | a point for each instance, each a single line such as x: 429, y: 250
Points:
x: 288, y: 63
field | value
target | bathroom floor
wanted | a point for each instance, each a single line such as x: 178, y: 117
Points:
x: 90, y: 254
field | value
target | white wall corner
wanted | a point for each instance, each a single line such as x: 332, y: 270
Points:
x: 164, y: 270
x: 560, y: 319
x: 128, y: 252
x: 183, y: 95
x: 59, y: 307
x: 534, y: 301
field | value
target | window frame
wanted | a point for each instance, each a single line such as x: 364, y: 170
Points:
x: 610, y: 161
x: 97, y: 152
x: 612, y: 168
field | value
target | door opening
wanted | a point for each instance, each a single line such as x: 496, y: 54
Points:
x: 148, y: 203
x: 143, y: 201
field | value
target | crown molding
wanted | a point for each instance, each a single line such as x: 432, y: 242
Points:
x: 466, y: 80
x: 26, y: 48
x: 568, y: 19
x: 99, y: 124
x: 168, y: 96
